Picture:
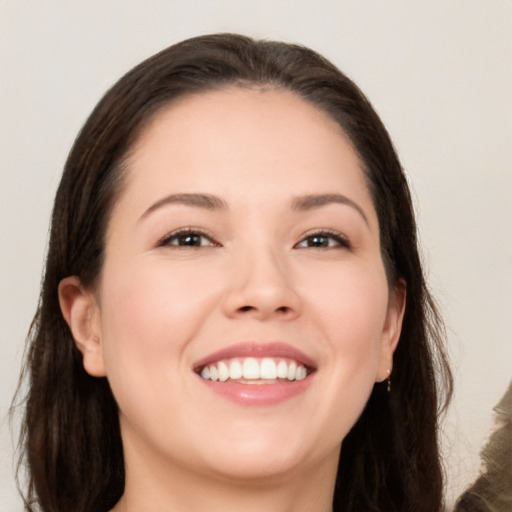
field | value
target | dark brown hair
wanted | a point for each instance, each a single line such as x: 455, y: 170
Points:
x: 71, y: 440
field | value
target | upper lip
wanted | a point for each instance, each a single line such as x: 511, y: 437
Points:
x: 256, y: 349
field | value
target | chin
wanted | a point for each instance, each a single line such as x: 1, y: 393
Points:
x: 265, y: 458
x: 258, y: 469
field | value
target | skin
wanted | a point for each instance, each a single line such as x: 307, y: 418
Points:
x: 256, y: 276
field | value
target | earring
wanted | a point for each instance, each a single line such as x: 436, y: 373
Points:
x: 389, y: 379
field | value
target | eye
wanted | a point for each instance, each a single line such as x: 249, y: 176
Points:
x: 324, y: 240
x: 189, y: 237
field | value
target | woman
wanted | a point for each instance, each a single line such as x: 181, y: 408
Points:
x: 233, y: 299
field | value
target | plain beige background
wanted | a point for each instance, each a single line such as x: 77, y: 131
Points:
x: 438, y: 72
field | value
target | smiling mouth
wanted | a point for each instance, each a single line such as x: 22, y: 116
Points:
x: 252, y: 370
x: 257, y: 373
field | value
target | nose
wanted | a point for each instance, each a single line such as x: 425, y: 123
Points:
x: 261, y: 286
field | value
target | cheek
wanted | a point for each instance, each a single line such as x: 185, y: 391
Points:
x: 149, y: 316
x: 352, y: 302
x: 350, y: 307
x: 151, y: 313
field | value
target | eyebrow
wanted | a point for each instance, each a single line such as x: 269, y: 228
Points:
x: 206, y: 201
x: 312, y: 201
x: 211, y: 202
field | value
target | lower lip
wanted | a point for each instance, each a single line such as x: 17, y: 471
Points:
x: 259, y: 394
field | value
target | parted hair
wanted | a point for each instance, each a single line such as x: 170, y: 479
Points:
x: 70, y: 443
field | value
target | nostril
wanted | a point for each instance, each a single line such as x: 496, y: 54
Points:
x: 282, y: 309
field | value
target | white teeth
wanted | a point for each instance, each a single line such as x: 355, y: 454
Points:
x: 223, y: 371
x: 235, y: 370
x: 282, y: 370
x: 254, y: 371
x: 300, y: 373
x: 292, y: 368
x: 214, y: 374
x: 251, y: 369
x: 268, y: 369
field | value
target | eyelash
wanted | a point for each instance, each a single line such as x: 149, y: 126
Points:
x: 340, y: 240
x: 184, y: 232
x: 330, y: 235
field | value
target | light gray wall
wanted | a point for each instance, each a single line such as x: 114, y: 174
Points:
x: 438, y: 72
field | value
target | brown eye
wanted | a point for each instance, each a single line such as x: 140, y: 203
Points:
x: 191, y: 239
x: 188, y: 238
x: 323, y: 240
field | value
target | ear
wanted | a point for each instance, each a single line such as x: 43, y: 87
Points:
x: 81, y: 312
x: 392, y: 330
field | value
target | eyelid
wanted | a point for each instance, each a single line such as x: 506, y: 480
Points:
x: 339, y: 237
x: 188, y: 230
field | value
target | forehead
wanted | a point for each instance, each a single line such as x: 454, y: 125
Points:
x: 255, y: 142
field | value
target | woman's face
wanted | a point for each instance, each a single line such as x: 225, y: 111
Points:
x: 242, y: 315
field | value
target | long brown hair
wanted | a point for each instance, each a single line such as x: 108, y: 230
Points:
x: 71, y: 441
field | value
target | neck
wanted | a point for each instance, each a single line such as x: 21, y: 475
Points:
x: 153, y: 486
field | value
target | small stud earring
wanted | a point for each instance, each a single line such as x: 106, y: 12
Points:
x: 389, y: 380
